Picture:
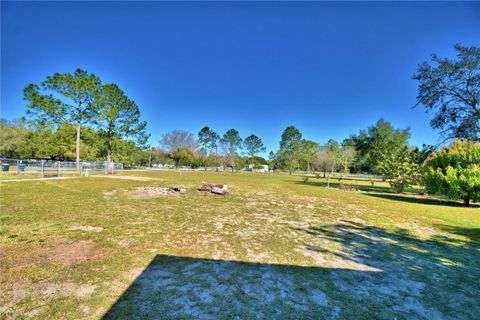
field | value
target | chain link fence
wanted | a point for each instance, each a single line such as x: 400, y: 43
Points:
x: 11, y: 168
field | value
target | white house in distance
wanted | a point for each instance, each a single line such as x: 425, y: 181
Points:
x: 260, y: 168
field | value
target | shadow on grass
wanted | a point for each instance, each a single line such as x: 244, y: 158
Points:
x: 358, y: 272
x: 434, y: 277
x: 410, y: 195
x: 335, y: 184
x: 420, y: 200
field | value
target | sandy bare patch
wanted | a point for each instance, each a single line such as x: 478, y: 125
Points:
x: 86, y: 228
x: 111, y: 193
x: 418, y: 229
x: 337, y: 262
x: 135, y: 178
x: 123, y: 243
x: 76, y: 252
x: 66, y: 289
x: 85, y: 308
x: 151, y: 192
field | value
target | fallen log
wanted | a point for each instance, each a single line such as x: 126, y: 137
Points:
x: 214, y: 188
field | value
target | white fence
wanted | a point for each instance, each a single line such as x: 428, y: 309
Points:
x: 46, y: 168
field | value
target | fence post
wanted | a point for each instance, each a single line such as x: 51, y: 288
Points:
x: 43, y: 168
x: 58, y: 168
x: 18, y: 166
x: 93, y: 167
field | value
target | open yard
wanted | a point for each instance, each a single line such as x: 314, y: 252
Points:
x: 273, y: 248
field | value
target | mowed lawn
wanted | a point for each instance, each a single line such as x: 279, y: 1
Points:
x: 273, y: 248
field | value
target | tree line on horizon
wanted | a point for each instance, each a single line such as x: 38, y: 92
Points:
x: 76, y: 116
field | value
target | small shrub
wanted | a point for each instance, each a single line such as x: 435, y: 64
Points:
x: 305, y: 179
x: 317, y: 175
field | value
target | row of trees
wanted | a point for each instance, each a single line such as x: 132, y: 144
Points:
x: 364, y: 152
x: 20, y: 139
x: 212, y: 150
x: 79, y: 99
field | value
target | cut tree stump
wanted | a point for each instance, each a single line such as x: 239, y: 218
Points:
x: 214, y: 188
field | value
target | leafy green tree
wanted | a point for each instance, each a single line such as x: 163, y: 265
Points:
x: 335, y: 152
x: 13, y: 136
x: 455, y: 171
x: 258, y: 160
x: 418, y: 157
x: 231, y: 141
x: 348, y: 156
x: 179, y: 145
x: 308, y: 151
x: 253, y: 145
x: 64, y: 98
x: 324, y: 160
x: 204, y: 140
x: 399, y: 167
x: 159, y: 156
x: 118, y: 116
x: 376, y: 143
x: 127, y: 152
x: 208, y: 140
x: 61, y: 143
x: 279, y: 160
x: 214, y: 140
x: 290, y: 146
x: 271, y: 156
x: 451, y: 89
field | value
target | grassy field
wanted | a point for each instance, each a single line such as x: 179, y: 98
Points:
x: 273, y: 248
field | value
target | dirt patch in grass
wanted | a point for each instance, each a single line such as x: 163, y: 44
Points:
x: 111, y: 193
x: 152, y: 192
x: 86, y: 228
x: 76, y: 252
x: 134, y: 178
x: 65, y: 289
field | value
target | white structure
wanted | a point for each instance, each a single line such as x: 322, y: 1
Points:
x: 261, y: 168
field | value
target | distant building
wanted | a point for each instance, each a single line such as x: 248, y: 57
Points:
x: 258, y: 168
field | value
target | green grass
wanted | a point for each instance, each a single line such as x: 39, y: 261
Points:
x: 274, y: 247
x: 13, y: 175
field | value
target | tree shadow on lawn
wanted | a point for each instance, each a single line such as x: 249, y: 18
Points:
x: 333, y: 184
x: 374, y: 274
x: 420, y: 200
x: 387, y: 193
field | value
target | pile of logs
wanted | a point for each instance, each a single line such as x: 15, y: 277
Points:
x: 214, y: 188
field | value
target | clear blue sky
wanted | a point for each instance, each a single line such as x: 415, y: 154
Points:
x: 328, y: 68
